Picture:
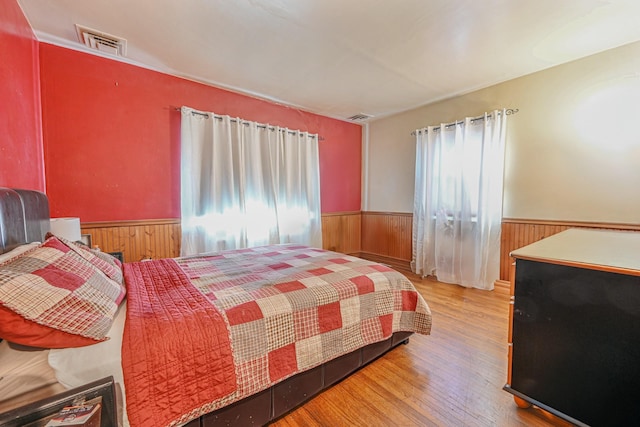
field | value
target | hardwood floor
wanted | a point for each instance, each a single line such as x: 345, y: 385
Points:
x: 453, y: 377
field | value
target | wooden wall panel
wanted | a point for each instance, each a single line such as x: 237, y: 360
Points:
x: 341, y: 232
x: 137, y: 240
x: 387, y: 235
x: 517, y: 233
x: 380, y: 236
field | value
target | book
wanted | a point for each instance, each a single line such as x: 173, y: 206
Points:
x: 87, y: 415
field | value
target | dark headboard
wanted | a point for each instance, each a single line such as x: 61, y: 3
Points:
x: 24, y: 217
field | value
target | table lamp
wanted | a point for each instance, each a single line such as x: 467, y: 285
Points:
x: 67, y: 228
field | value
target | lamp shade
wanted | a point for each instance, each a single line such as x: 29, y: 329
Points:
x: 67, y: 228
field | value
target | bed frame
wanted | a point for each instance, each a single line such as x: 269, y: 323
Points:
x: 24, y: 218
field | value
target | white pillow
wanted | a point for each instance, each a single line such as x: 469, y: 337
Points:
x: 17, y: 251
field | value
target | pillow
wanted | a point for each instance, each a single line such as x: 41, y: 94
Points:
x: 16, y: 329
x: 109, y: 265
x: 17, y: 251
x: 52, y: 296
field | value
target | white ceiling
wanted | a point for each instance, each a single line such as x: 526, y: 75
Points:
x: 343, y: 57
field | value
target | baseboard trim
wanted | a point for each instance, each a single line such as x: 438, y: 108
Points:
x: 502, y: 284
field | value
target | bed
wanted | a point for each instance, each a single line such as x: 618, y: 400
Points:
x: 231, y: 338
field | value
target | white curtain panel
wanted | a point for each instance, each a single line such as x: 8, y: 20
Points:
x: 245, y: 184
x: 458, y: 200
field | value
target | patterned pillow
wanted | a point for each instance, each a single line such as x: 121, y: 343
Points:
x: 17, y: 251
x: 53, y: 296
x: 109, y: 265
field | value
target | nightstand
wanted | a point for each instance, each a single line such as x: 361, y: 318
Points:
x: 37, y: 414
x: 118, y: 255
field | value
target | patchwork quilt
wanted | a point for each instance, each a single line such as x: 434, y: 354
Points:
x: 281, y: 309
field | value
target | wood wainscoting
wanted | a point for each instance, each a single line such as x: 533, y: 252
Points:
x: 137, y: 240
x: 517, y: 233
x: 160, y: 238
x: 386, y: 238
x: 379, y: 236
x: 342, y: 232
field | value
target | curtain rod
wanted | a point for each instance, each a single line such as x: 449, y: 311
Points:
x: 508, y: 112
x: 246, y: 122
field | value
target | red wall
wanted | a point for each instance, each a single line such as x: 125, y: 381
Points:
x: 21, y: 161
x: 112, y: 134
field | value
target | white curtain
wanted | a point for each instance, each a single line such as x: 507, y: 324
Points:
x: 457, y: 209
x: 246, y: 184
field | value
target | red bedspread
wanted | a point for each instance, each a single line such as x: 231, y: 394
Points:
x: 178, y: 357
x: 287, y: 308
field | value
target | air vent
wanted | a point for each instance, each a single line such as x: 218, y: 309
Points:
x: 102, y: 41
x: 359, y: 117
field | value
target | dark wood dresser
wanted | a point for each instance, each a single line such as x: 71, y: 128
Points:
x: 575, y: 327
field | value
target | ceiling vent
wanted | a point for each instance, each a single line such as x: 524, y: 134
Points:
x: 359, y: 117
x: 102, y: 41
